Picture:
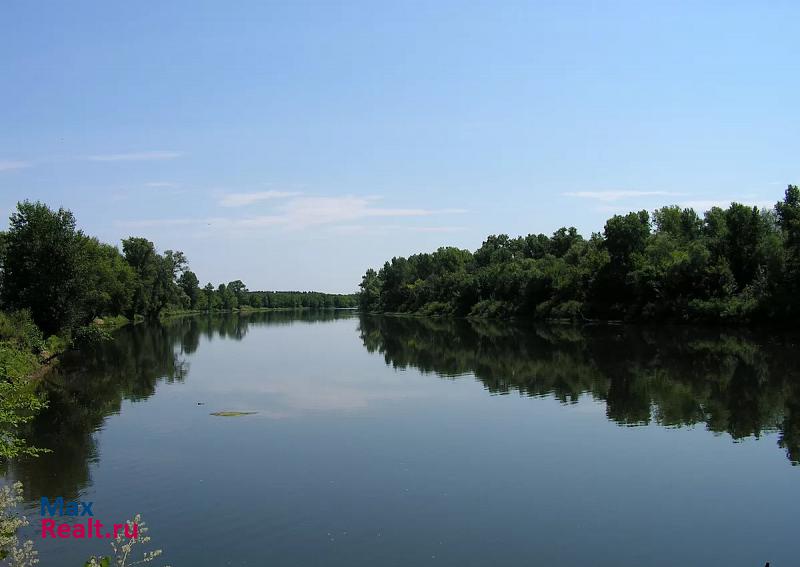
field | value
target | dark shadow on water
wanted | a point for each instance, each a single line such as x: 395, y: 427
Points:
x: 740, y: 383
x: 88, y: 387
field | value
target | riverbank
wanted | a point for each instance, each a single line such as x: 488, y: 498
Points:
x: 582, y: 321
x: 25, y: 356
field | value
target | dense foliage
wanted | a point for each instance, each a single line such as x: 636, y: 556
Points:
x: 736, y: 264
x: 66, y: 279
x: 21, y: 350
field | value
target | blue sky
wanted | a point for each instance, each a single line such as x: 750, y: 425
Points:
x: 293, y: 145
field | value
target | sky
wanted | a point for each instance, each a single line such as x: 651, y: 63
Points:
x: 293, y: 145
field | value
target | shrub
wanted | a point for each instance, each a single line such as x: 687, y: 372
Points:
x: 19, y: 329
x: 89, y: 337
x: 436, y: 308
x: 492, y: 308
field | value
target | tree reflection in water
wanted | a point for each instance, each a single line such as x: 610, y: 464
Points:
x: 741, y: 383
x: 88, y: 387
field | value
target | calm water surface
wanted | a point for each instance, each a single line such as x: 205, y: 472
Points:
x: 395, y: 441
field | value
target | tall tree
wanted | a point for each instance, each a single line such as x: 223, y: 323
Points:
x: 155, y: 285
x: 238, y: 289
x: 107, y: 278
x: 190, y: 285
x: 141, y: 255
x: 41, y: 266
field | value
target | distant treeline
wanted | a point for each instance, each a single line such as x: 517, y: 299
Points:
x: 235, y: 295
x: 65, y: 279
x: 737, y: 264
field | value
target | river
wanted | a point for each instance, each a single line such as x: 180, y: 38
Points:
x: 402, y: 441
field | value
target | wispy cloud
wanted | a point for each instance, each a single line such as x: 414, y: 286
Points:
x: 305, y: 212
x: 243, y: 199
x: 168, y: 223
x: 8, y: 165
x: 436, y: 229
x: 137, y: 156
x: 310, y: 211
x: 162, y: 184
x: 381, y: 228
x: 618, y: 195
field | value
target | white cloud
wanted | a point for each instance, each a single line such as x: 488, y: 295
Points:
x: 166, y: 223
x: 305, y: 212
x: 137, y: 156
x: 382, y: 228
x: 242, y: 199
x: 436, y: 228
x: 312, y: 211
x: 617, y: 195
x: 162, y: 184
x: 8, y: 165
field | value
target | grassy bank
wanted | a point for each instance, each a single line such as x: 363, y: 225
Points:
x: 24, y: 355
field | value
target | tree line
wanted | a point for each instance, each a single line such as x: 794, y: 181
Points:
x: 66, y: 279
x: 739, y: 264
x: 235, y: 295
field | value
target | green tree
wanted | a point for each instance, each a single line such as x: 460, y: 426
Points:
x: 238, y: 289
x: 141, y: 255
x: 227, y: 298
x: 42, y: 266
x: 625, y: 236
x: 190, y: 285
x: 108, y: 280
x: 369, y: 298
x: 212, y: 297
x: 155, y: 285
x: 788, y: 219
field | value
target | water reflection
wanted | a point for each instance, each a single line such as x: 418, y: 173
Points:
x: 188, y: 330
x: 82, y: 391
x: 742, y: 384
x: 738, y: 383
x: 85, y: 389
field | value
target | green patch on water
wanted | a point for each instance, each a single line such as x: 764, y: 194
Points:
x: 232, y: 413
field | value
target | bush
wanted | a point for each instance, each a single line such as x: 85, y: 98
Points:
x: 566, y: 310
x: 89, y: 337
x: 16, y: 363
x: 436, y: 308
x: 18, y: 329
x: 492, y: 308
x: 19, y: 399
